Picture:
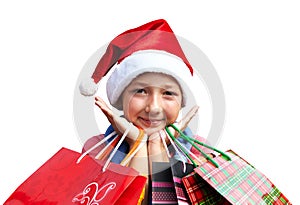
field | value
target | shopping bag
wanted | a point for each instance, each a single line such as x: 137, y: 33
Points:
x: 190, y: 187
x: 69, y: 177
x: 240, y: 182
x: 60, y: 180
x: 180, y: 170
x: 166, y: 179
x: 163, y: 189
x: 200, y: 192
x: 167, y: 185
x: 134, y: 192
x: 227, y: 178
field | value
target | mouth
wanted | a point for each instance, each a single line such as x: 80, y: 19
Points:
x: 151, y: 122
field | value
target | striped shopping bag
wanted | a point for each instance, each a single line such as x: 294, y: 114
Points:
x: 162, y: 185
x: 240, y: 182
x: 179, y: 171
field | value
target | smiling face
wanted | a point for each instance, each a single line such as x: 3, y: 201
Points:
x: 152, y: 101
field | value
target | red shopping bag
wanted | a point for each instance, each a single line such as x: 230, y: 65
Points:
x: 134, y: 193
x: 240, y: 182
x: 60, y: 180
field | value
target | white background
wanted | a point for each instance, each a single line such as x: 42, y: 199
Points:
x: 253, y: 45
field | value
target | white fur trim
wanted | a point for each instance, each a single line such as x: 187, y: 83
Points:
x: 88, y: 87
x: 146, y: 61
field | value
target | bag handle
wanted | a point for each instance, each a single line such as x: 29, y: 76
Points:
x: 142, y: 137
x: 178, y: 146
x: 117, y: 147
x: 96, y: 145
x: 173, y: 139
x: 192, y: 141
x: 163, y: 135
x: 105, y: 150
x: 136, y: 147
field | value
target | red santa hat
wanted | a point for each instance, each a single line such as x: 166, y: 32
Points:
x: 152, y: 47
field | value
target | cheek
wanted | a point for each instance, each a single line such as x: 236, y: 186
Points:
x: 131, y: 108
x: 172, y: 112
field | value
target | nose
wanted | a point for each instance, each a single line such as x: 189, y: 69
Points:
x: 154, y: 104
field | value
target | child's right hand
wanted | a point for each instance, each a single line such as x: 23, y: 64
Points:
x: 119, y: 124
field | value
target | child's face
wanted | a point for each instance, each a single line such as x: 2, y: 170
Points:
x: 152, y: 101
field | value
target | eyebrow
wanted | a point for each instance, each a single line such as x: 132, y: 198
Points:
x: 139, y: 84
x: 165, y: 86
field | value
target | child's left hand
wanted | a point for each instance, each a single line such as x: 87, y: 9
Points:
x: 183, y: 123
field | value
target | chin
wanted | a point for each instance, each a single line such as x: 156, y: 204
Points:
x: 150, y: 131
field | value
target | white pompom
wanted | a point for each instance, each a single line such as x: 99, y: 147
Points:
x: 88, y: 87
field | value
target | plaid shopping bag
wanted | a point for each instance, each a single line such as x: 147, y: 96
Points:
x: 240, y: 182
x: 61, y: 180
x: 200, y: 192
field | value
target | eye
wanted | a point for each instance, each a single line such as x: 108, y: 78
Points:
x: 169, y: 93
x: 140, y: 91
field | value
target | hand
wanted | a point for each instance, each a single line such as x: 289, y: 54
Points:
x: 107, y: 112
x: 119, y: 124
x: 183, y: 123
x: 155, y: 142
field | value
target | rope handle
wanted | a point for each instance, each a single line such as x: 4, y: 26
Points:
x: 106, y: 147
x: 135, y: 148
x: 175, y: 146
x: 96, y: 145
x: 193, y: 142
x: 117, y: 147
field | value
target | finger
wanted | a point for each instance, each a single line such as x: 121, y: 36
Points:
x: 183, y: 123
x: 104, y: 107
x: 99, y: 101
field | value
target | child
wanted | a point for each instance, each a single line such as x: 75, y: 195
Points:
x: 148, y: 85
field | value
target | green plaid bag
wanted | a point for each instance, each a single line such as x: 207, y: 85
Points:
x: 227, y: 179
x: 240, y: 182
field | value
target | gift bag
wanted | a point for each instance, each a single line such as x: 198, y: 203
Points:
x: 134, y: 193
x: 163, y: 189
x: 62, y: 181
x: 227, y: 179
x: 167, y: 184
x: 70, y: 178
x: 180, y: 170
x: 240, y: 182
x: 200, y: 192
x: 190, y: 187
x: 166, y: 177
